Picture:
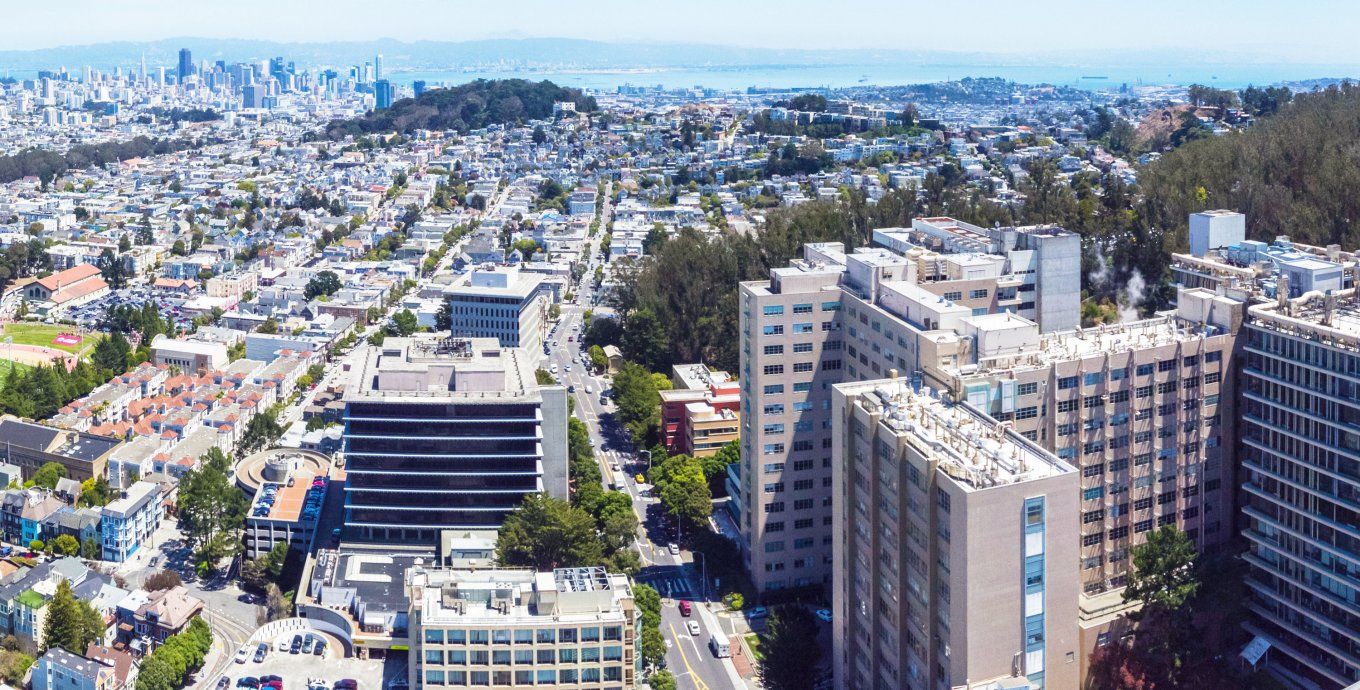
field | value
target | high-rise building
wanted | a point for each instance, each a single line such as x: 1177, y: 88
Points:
x: 378, y: 67
x: 447, y: 433
x: 835, y: 316
x: 568, y: 628
x: 954, y: 547
x: 383, y: 93
x: 1300, y: 456
x: 419, y: 87
x: 186, y: 64
x: 254, y: 95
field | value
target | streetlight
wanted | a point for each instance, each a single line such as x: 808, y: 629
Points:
x: 703, y: 583
x: 647, y: 453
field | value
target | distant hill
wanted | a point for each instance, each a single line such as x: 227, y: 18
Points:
x: 1295, y: 173
x: 473, y: 105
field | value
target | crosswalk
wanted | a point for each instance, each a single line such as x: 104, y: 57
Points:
x: 671, y: 585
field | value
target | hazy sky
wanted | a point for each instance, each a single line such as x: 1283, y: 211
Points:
x: 1295, y: 31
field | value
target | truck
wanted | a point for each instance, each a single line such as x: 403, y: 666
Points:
x: 720, y: 646
x: 617, y: 482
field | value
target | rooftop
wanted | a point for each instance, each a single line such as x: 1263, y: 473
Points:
x: 974, y: 449
x: 447, y: 368
x: 493, y: 596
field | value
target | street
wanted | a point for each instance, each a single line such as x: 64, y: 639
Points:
x: 675, y: 577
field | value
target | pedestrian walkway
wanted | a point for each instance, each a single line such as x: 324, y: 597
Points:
x: 671, y: 585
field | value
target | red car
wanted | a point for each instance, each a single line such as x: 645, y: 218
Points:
x: 685, y: 608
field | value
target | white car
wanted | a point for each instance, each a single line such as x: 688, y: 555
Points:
x: 674, y: 549
x: 693, y: 628
x: 244, y: 655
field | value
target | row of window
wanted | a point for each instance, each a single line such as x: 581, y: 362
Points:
x: 523, y: 635
x: 545, y: 676
x: 804, y: 308
x: 504, y: 657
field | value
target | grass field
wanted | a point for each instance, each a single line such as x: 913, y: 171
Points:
x: 753, y: 641
x: 42, y: 334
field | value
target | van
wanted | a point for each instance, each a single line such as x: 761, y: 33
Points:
x: 685, y: 608
x: 720, y: 646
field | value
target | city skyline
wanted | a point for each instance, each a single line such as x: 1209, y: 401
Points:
x: 1250, y: 31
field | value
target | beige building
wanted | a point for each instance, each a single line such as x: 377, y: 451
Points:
x: 233, y: 285
x: 569, y: 628
x: 953, y: 547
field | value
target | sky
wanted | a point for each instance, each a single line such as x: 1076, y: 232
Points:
x: 1307, y: 31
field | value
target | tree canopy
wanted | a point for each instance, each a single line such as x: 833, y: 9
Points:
x: 546, y: 533
x: 473, y: 105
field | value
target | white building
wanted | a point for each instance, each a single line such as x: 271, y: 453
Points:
x: 501, y: 303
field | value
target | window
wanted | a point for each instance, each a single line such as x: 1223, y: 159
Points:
x: 1092, y: 379
x: 977, y: 294
x: 802, y: 387
x: 802, y: 328
x: 1142, y: 525
x: 773, y: 429
x: 774, y: 349
x: 1144, y: 369
x: 774, y: 389
x: 1093, y: 494
x: 1091, y: 539
x: 802, y: 367
x: 831, y: 306
x: 1027, y: 413
x: 773, y: 309
x: 1068, y: 405
x: 1166, y: 365
x: 1119, y: 533
x: 1214, y: 356
x: 1067, y: 382
x: 802, y: 308
x: 1027, y: 389
x: 773, y: 369
x: 773, y: 330
x: 831, y: 365
x: 802, y: 347
x: 953, y: 296
x: 777, y: 408
x: 773, y: 448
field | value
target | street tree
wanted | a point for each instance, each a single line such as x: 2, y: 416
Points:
x: 211, y: 510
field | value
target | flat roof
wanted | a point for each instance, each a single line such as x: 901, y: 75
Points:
x: 974, y: 449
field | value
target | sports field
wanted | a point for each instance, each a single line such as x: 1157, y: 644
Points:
x: 67, y: 338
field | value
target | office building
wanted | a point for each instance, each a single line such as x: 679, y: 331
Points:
x: 383, y: 93
x: 954, y: 547
x: 186, y: 64
x: 378, y: 67
x: 502, y: 303
x: 837, y: 316
x: 419, y: 86
x: 254, y: 96
x: 30, y: 445
x: 1300, y: 456
x: 569, y: 628
x: 447, y: 433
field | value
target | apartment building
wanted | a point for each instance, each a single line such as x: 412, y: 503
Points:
x: 502, y: 303
x: 130, y: 521
x: 834, y: 316
x: 1300, y: 455
x: 447, y: 433
x: 569, y: 628
x: 700, y: 413
x: 953, y: 547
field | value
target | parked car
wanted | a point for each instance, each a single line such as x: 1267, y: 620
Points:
x: 261, y: 652
x: 346, y: 684
x: 674, y: 549
x: 296, y: 646
x: 824, y: 614
x: 307, y: 644
x: 243, y: 655
x: 320, y: 649
x: 247, y: 682
x: 270, y: 679
x: 223, y: 683
x: 757, y: 612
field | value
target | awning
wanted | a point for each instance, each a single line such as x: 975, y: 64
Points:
x: 1255, y: 649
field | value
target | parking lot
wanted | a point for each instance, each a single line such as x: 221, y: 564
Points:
x: 297, y: 669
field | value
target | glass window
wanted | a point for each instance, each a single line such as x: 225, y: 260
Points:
x: 547, y: 676
x: 434, y: 656
x: 773, y: 309
x: 590, y: 654
x: 434, y: 677
x: 547, y: 656
x: 458, y: 657
x: 481, y: 677
x: 500, y: 636
x: 548, y: 635
x: 613, y: 632
x: 566, y: 675
x: 566, y: 634
x: 524, y: 656
x: 434, y: 636
x: 566, y: 655
x: 478, y: 636
x: 524, y: 636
